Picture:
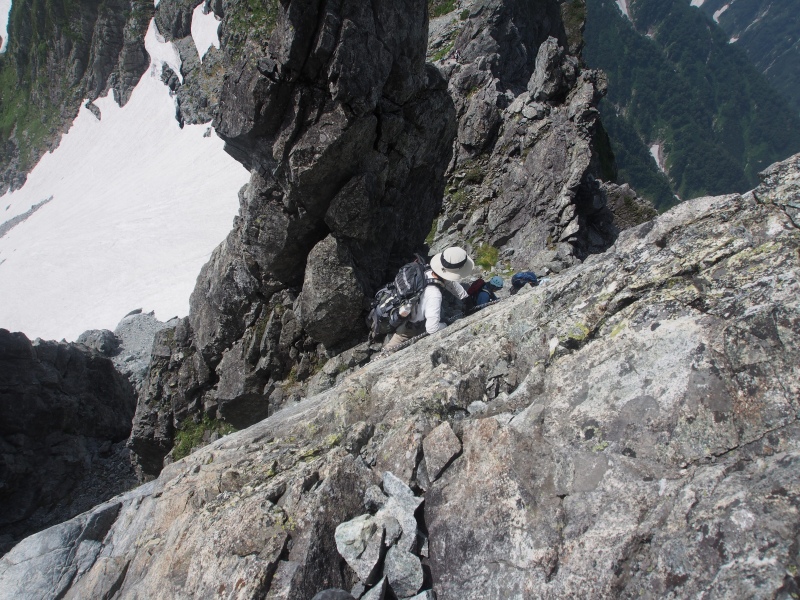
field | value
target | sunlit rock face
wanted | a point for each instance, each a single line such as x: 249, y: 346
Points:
x: 628, y: 427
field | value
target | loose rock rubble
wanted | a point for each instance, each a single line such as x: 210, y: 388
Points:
x: 385, y: 548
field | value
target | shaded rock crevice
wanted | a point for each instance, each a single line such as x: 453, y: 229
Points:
x: 66, y: 412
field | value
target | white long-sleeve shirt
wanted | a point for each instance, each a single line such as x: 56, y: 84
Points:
x: 429, y: 307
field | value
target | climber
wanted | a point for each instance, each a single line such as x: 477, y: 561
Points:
x: 487, y: 293
x: 445, y: 270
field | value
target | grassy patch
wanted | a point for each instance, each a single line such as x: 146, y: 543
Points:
x: 459, y: 198
x: 486, y: 256
x: 254, y: 20
x: 443, y: 51
x: 432, y: 233
x: 190, y: 434
x: 474, y: 175
x: 437, y: 8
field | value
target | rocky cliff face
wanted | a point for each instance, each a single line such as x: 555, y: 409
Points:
x: 347, y: 134
x: 65, y: 414
x: 60, y: 53
x: 628, y: 428
x: 530, y: 154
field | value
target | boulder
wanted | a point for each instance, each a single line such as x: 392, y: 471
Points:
x: 360, y: 542
x: 102, y: 341
x: 400, y: 508
x: 546, y: 81
x: 378, y: 592
x: 403, y: 572
x: 332, y: 297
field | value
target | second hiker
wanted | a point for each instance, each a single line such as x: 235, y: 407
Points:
x: 445, y: 270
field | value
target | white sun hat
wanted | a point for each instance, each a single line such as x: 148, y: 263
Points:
x: 452, y: 264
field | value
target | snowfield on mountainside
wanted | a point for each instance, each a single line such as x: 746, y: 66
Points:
x: 138, y: 204
x: 5, y: 8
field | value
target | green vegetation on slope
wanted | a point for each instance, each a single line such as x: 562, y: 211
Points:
x: 192, y: 434
x: 252, y: 20
x: 51, y: 61
x: 437, y: 8
x: 27, y: 89
x: 769, y: 32
x: 674, y: 80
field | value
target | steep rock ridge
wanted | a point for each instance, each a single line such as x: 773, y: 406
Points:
x: 347, y: 134
x: 629, y: 429
x: 65, y: 414
x: 530, y: 152
x: 60, y: 53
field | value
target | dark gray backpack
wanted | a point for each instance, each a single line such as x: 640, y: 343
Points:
x: 395, y: 302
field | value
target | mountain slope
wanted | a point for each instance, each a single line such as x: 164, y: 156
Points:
x: 60, y: 53
x: 629, y: 428
x: 136, y: 205
x: 769, y: 32
x: 680, y: 88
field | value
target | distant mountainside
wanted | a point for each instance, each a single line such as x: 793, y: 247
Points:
x: 59, y: 53
x: 769, y: 32
x: 683, y: 99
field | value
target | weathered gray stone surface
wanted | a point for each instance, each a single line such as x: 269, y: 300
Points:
x: 332, y: 297
x: 378, y: 592
x: 440, y: 446
x: 403, y: 572
x: 360, y: 542
x: 426, y: 595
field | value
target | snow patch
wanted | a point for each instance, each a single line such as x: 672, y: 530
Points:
x: 205, y: 28
x: 623, y: 7
x: 734, y: 39
x: 719, y: 12
x: 161, y: 51
x: 657, y: 153
x: 138, y: 206
x: 5, y: 10
x: 698, y: 3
